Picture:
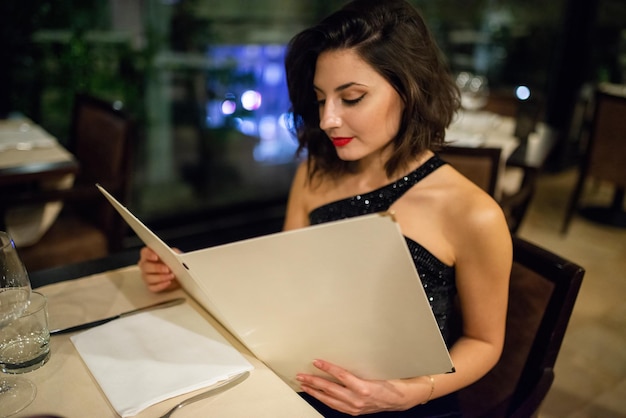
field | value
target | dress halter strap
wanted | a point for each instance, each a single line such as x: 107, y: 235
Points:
x: 377, y: 200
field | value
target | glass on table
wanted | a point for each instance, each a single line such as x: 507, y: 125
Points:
x: 16, y: 393
x: 474, y: 90
x: 25, y: 341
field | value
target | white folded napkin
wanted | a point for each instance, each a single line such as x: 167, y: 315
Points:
x: 146, y: 358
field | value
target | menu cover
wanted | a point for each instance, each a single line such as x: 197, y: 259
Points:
x: 344, y: 291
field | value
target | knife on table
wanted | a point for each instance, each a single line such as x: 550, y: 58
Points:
x: 87, y: 325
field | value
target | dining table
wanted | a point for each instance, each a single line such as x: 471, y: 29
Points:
x: 67, y: 389
x: 533, y: 152
x: 480, y: 128
x: 522, y: 159
x: 31, y: 158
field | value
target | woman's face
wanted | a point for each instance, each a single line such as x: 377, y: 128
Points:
x: 359, y: 110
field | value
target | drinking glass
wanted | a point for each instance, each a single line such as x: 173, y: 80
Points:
x: 474, y: 90
x: 16, y: 393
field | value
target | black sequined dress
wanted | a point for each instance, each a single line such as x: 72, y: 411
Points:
x: 437, y: 278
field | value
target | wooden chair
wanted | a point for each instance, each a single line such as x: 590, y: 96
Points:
x: 604, y: 158
x: 480, y: 165
x: 542, y: 293
x: 88, y: 227
x: 515, y: 204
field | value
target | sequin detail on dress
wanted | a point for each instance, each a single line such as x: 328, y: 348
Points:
x: 437, y: 278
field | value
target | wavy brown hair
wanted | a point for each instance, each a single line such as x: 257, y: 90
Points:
x: 393, y: 38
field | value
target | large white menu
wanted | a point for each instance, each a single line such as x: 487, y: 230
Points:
x: 345, y: 291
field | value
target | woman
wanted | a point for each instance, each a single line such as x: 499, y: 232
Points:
x: 371, y: 99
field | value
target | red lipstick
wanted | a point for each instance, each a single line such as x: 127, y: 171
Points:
x: 341, y: 141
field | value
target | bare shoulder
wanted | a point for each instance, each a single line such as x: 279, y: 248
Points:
x: 447, y: 213
x: 475, y: 222
x: 300, y: 178
x: 297, y: 204
x: 306, y: 194
x: 451, y: 197
x: 468, y: 208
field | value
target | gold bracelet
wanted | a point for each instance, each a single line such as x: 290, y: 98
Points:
x: 432, y: 389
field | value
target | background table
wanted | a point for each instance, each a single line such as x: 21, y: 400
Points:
x: 66, y: 388
x: 483, y: 129
x: 31, y: 157
x: 487, y: 129
x: 28, y: 152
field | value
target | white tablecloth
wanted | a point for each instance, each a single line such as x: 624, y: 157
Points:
x: 22, y: 142
x: 487, y: 129
x: 483, y: 129
x: 66, y: 388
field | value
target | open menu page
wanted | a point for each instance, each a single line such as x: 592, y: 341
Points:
x: 344, y: 291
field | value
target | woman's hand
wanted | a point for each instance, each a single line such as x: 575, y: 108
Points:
x: 355, y: 396
x: 157, y: 276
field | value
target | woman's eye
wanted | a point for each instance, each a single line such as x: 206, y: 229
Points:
x: 351, y: 102
x: 320, y: 102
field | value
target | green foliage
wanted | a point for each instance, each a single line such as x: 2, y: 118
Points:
x: 87, y: 62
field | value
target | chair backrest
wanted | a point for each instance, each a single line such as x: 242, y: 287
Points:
x: 101, y: 140
x: 542, y: 293
x: 605, y: 152
x: 481, y: 164
x: 607, y: 142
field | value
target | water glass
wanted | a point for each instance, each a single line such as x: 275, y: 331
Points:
x: 25, y: 342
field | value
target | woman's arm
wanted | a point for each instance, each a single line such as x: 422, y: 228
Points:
x: 483, y: 266
x: 297, y: 215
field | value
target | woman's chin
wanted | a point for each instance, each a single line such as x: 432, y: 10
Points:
x: 347, y: 155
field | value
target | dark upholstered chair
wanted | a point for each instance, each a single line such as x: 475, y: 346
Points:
x: 88, y: 227
x: 542, y: 293
x: 604, y: 158
x: 480, y: 165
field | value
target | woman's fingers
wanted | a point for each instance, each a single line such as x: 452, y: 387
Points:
x: 157, y: 276
x: 163, y: 286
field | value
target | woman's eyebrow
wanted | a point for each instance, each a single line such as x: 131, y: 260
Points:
x: 341, y: 87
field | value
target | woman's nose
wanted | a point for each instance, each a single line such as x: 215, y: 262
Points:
x: 329, y: 118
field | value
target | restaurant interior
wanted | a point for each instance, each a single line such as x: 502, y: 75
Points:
x: 193, y: 94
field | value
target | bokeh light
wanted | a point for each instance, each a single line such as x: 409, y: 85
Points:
x: 251, y: 100
x: 522, y: 92
x: 229, y: 106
